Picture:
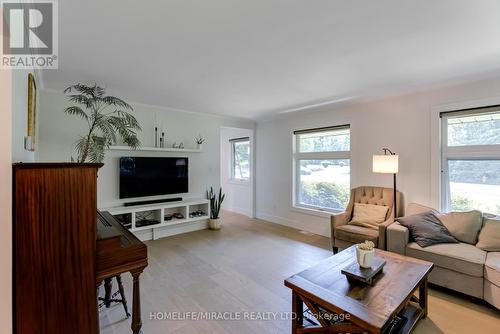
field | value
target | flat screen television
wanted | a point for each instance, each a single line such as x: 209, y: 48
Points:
x: 144, y: 176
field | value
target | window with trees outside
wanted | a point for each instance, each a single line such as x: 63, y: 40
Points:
x: 322, y: 168
x: 470, y: 174
x: 240, y: 159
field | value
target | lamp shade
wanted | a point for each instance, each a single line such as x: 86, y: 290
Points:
x: 386, y: 164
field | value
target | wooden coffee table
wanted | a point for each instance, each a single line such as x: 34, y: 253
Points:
x: 331, y: 298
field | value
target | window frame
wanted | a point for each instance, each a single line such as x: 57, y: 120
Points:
x: 331, y: 155
x: 232, y: 161
x: 462, y: 152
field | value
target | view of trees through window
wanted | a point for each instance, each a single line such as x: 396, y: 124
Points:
x: 324, y: 183
x: 474, y: 130
x: 474, y: 183
x: 323, y: 169
x: 327, y: 141
x: 241, y: 160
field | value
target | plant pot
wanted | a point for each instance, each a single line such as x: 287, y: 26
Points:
x: 364, y: 257
x: 214, y: 224
x: 199, y: 146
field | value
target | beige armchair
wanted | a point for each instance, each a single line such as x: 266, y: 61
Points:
x: 345, y: 235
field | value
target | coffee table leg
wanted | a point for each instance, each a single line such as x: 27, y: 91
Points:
x: 422, y: 297
x: 298, y: 310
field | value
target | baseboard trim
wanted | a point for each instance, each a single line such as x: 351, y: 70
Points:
x: 313, y: 228
x: 240, y: 211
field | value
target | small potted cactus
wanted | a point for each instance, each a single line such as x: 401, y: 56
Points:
x: 365, y: 253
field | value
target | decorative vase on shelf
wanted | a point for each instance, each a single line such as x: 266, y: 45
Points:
x: 199, y: 141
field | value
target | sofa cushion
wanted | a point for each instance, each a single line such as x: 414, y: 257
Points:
x: 461, y: 257
x: 356, y: 234
x: 415, y: 208
x: 426, y: 229
x: 464, y: 226
x: 492, y: 268
x: 489, y: 237
x: 451, y: 279
x: 368, y: 215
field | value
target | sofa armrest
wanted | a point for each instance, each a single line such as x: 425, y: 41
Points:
x: 398, y: 237
x: 382, y: 233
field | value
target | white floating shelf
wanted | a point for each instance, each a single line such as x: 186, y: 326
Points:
x: 156, y: 149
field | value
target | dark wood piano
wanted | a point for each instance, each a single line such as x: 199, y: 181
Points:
x: 59, y: 259
x: 119, y: 251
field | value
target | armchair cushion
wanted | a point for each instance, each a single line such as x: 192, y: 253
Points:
x: 369, y: 215
x: 356, y: 234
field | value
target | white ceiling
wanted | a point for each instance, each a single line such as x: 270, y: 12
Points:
x: 256, y: 58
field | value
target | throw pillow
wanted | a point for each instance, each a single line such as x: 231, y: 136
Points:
x: 368, y: 215
x: 426, y: 229
x: 464, y: 226
x: 489, y: 237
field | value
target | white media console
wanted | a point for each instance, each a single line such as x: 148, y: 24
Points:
x: 159, y: 212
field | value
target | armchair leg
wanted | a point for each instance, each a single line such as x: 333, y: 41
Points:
x: 335, y: 250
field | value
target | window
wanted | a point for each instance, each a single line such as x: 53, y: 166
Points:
x: 471, y: 160
x: 240, y: 159
x: 322, y: 168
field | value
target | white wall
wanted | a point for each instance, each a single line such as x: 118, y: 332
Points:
x: 6, y: 201
x: 405, y: 124
x: 59, y: 131
x: 239, y: 195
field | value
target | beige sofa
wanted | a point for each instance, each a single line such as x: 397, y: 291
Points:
x: 468, y: 266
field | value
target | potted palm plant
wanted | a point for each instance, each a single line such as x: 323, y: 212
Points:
x: 214, y: 223
x: 106, y: 118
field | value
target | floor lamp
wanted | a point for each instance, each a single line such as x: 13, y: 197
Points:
x: 388, y: 163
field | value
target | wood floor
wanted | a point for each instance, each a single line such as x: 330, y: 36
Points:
x: 241, y: 269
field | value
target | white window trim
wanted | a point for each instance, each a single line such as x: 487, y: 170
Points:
x: 232, y: 179
x: 296, y: 156
x: 314, y: 211
x: 436, y: 145
x: 466, y: 152
x: 239, y: 182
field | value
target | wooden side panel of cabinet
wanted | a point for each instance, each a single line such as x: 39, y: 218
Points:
x: 55, y: 248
